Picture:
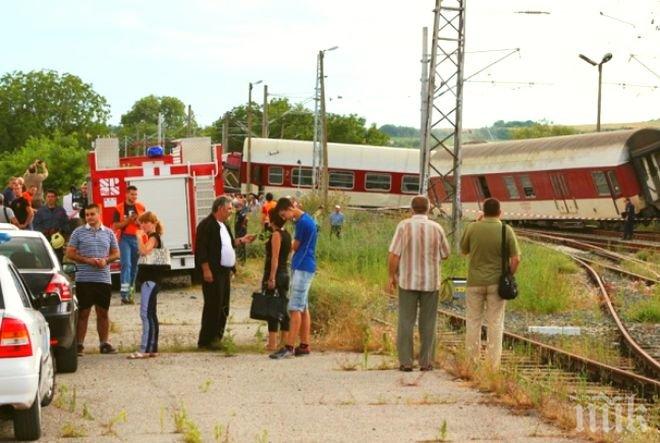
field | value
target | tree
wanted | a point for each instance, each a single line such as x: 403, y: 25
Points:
x: 65, y: 158
x: 376, y: 137
x: 541, y: 130
x: 142, y: 119
x: 43, y: 103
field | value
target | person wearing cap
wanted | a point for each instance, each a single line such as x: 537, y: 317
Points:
x: 336, y: 221
x: 52, y: 219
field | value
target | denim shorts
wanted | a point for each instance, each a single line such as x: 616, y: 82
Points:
x: 299, y: 295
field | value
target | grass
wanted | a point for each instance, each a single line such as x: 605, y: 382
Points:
x: 645, y: 311
x: 70, y: 430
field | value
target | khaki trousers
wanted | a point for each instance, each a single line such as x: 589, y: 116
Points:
x: 477, y: 297
x: 428, y: 307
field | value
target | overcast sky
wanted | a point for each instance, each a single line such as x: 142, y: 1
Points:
x: 205, y: 52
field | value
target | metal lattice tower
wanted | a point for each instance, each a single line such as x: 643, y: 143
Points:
x: 445, y: 97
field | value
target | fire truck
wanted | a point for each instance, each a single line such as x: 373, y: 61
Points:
x: 179, y: 187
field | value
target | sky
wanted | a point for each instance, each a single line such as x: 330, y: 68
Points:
x: 205, y: 52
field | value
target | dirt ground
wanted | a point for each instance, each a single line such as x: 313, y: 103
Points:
x: 248, y: 397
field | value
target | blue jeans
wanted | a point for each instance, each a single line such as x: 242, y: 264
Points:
x: 301, y: 281
x: 149, y: 317
x: 128, y: 256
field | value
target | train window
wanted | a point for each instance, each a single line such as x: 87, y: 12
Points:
x: 377, y: 182
x: 601, y: 183
x: 511, y: 187
x: 527, y: 187
x: 301, y: 176
x: 341, y: 180
x: 275, y: 175
x: 410, y: 184
x: 611, y: 175
x: 482, y: 186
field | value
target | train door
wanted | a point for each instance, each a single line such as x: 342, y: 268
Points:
x: 564, y: 201
x: 481, y: 189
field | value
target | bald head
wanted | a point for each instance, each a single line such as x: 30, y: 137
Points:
x: 420, y: 204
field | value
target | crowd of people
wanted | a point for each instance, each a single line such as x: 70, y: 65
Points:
x: 417, y: 248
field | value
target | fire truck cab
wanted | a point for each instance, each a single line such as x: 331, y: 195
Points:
x: 179, y: 187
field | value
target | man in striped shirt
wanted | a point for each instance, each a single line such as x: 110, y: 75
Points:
x: 414, y: 266
x: 93, y: 246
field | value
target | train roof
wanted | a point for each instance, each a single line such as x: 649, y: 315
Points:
x: 340, y: 156
x: 601, y: 149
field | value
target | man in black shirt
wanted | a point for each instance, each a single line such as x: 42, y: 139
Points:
x: 21, y: 207
x: 51, y: 219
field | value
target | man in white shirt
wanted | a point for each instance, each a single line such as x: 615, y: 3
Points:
x: 215, y: 258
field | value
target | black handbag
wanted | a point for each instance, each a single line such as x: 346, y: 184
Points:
x: 507, y: 287
x: 267, y: 305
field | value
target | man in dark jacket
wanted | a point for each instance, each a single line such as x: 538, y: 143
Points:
x: 52, y: 219
x: 215, y: 258
x: 629, y: 217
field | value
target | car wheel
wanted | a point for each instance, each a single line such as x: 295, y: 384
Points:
x: 27, y: 422
x: 50, y: 387
x: 67, y: 358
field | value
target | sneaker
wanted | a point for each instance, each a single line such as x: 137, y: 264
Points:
x: 107, y: 348
x: 405, y: 368
x: 127, y: 301
x: 426, y: 368
x: 301, y: 351
x: 282, y: 353
x: 81, y: 350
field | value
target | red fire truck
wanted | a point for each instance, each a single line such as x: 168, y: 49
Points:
x: 179, y: 187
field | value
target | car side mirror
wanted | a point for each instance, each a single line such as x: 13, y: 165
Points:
x: 69, y: 268
x: 49, y: 299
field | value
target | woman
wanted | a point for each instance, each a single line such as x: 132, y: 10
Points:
x: 149, y: 277
x: 276, y: 273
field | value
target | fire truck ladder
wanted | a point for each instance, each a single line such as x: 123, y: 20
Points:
x: 204, y: 195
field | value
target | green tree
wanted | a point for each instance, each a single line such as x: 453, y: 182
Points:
x: 376, y: 137
x: 541, y: 130
x: 43, y: 103
x: 142, y: 119
x: 65, y: 158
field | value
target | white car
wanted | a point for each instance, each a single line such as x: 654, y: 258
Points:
x: 27, y: 375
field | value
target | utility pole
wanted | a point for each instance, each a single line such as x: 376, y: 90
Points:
x: 446, y: 71
x: 189, y: 126
x: 264, y: 118
x: 606, y: 58
x: 248, y: 172
x: 317, y: 136
x: 424, y: 104
x: 160, y: 128
x: 324, y: 134
x: 225, y: 133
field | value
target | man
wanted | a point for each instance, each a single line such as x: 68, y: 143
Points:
x: 34, y: 177
x: 21, y: 207
x: 8, y: 193
x: 336, y: 221
x: 215, y: 258
x: 629, y: 217
x: 303, y: 265
x: 482, y: 242
x: 126, y: 226
x: 414, y: 258
x: 267, y: 206
x: 240, y: 227
x: 6, y: 213
x: 51, y: 219
x: 93, y: 246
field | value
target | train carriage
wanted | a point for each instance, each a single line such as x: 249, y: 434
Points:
x: 584, y: 176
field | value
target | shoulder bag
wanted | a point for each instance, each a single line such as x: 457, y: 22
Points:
x: 267, y: 305
x: 157, y: 257
x: 507, y: 288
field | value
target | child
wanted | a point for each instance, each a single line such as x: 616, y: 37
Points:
x: 149, y: 277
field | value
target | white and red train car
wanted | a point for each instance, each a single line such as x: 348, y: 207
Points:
x: 584, y: 176
x: 179, y: 187
x: 371, y: 176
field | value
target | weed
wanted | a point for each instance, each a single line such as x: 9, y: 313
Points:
x: 229, y: 343
x: 365, y: 347
x: 381, y: 400
x: 65, y: 399
x: 259, y: 334
x: 192, y: 433
x: 220, y: 434
x: 86, y: 414
x: 205, y: 386
x: 162, y: 419
x: 69, y: 430
x: 114, y: 327
x: 180, y: 417
x: 442, y: 431
x: 430, y: 399
x: 262, y: 437
x: 109, y: 426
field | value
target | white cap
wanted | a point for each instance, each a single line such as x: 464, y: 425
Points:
x: 337, y: 207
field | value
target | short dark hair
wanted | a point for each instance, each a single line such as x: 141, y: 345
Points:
x: 283, y: 204
x: 420, y: 204
x: 51, y: 191
x: 131, y: 188
x: 93, y: 206
x: 32, y: 169
x: 269, y: 196
x: 491, y: 207
x: 218, y: 202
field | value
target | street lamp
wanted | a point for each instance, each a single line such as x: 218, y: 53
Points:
x: 248, y: 172
x: 606, y: 58
x: 324, y: 127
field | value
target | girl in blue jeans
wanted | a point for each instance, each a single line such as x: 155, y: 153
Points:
x: 149, y: 278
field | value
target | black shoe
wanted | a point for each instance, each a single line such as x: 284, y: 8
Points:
x: 285, y: 352
x: 107, y: 348
x: 426, y: 368
x: 81, y: 350
x: 404, y: 368
x: 300, y: 351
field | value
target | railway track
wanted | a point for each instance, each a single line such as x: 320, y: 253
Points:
x: 606, y: 239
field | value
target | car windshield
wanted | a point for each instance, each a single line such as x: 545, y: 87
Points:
x: 26, y: 252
